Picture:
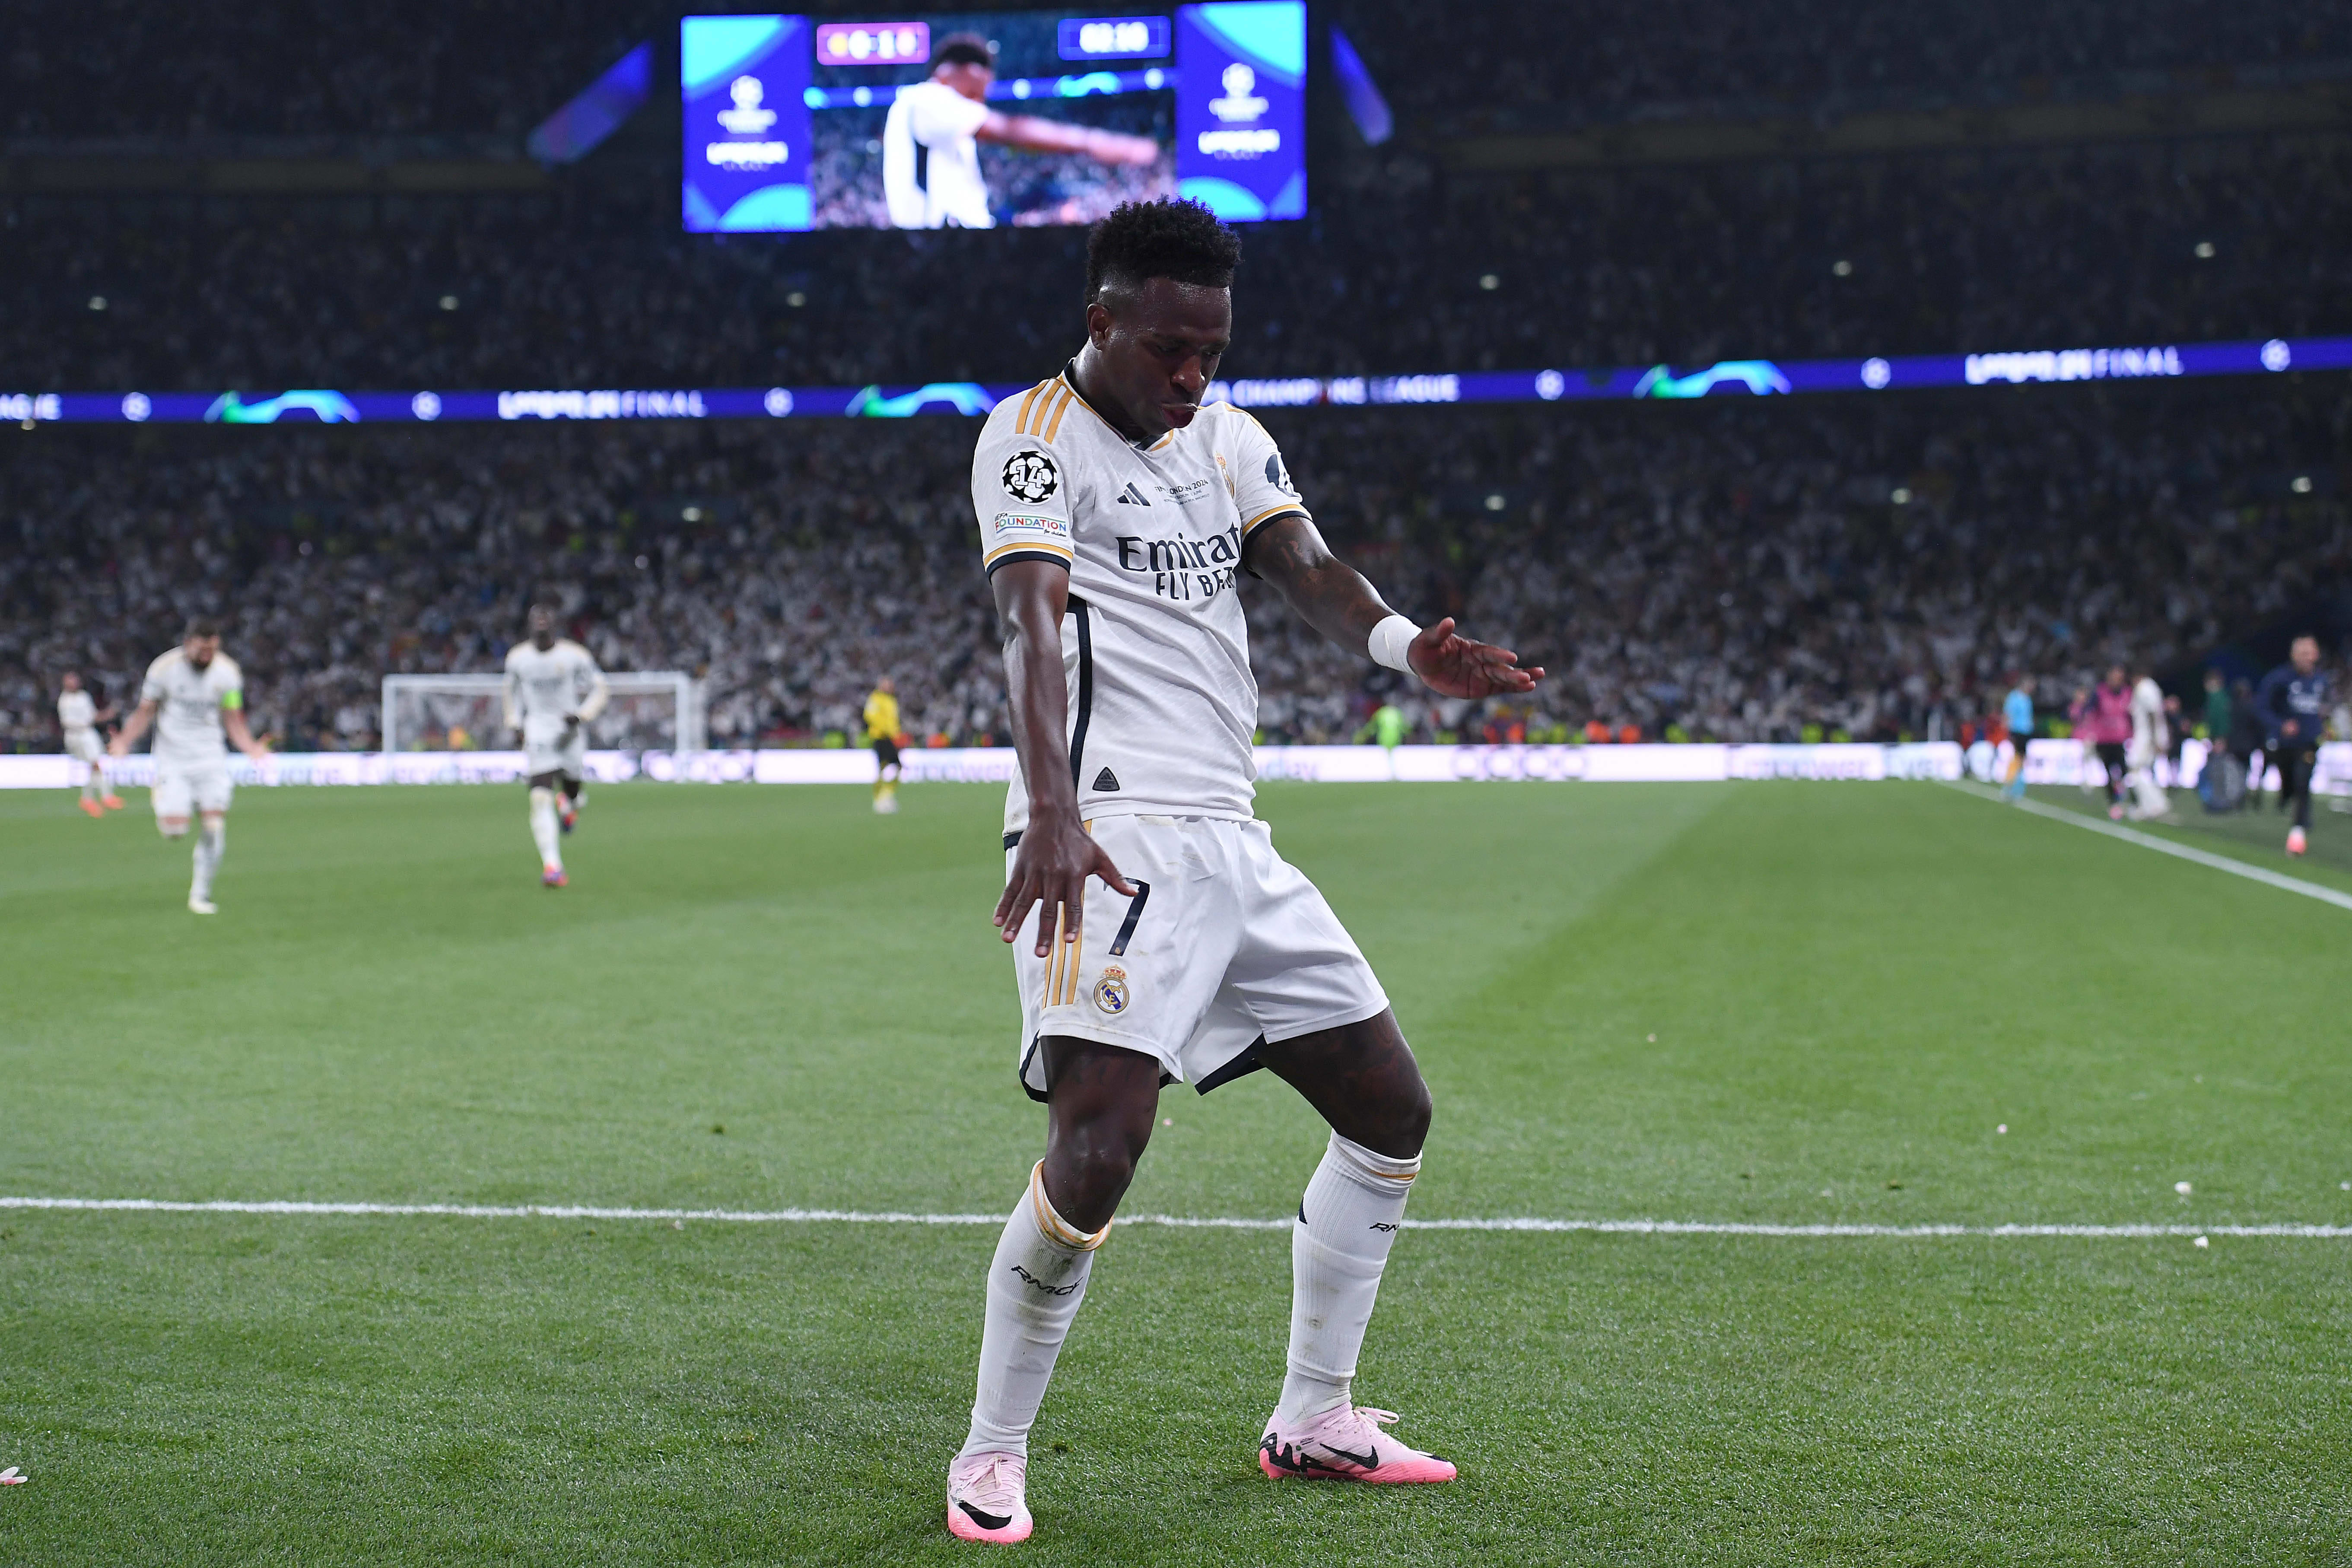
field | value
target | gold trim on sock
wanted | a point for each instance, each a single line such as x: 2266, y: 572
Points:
x: 1055, y: 1228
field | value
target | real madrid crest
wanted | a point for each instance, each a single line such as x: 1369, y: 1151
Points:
x: 1111, y: 991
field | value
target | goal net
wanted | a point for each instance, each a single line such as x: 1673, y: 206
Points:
x: 655, y: 710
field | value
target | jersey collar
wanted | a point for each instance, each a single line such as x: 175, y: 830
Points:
x: 1070, y: 379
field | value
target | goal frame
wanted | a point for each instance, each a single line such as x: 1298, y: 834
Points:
x: 684, y: 689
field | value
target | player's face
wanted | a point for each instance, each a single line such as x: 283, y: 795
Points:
x: 200, y: 651
x: 542, y: 632
x: 1158, y: 347
x: 967, y: 78
x: 2305, y: 654
x: 72, y: 682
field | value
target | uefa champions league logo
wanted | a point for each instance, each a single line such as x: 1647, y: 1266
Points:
x: 747, y: 118
x: 1241, y: 101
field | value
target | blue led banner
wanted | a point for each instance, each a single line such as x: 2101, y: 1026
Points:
x: 1725, y: 378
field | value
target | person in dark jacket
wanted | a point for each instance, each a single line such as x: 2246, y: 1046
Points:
x: 2293, y: 704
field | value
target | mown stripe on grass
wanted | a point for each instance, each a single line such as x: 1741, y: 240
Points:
x: 2342, y: 901
x: 861, y: 1217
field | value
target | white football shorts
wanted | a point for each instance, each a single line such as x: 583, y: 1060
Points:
x: 550, y: 750
x: 182, y: 788
x: 83, y: 745
x: 1224, y: 946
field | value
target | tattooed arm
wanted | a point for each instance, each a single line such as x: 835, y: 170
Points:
x: 1333, y: 597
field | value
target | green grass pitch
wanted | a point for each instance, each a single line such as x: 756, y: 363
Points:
x: 1748, y: 1002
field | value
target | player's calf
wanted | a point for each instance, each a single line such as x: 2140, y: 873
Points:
x: 544, y: 831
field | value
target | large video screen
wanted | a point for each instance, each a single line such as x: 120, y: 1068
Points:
x: 976, y: 120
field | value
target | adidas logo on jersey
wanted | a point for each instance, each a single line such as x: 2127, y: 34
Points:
x: 1131, y: 496
x: 1106, y: 781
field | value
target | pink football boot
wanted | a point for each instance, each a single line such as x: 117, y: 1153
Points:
x: 1344, y: 1444
x: 984, y: 1499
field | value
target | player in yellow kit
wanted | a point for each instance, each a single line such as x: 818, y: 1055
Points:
x: 882, y: 733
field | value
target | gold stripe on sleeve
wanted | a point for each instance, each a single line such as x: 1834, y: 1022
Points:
x: 1059, y: 409
x: 1021, y: 424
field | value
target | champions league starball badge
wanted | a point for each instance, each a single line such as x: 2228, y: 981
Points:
x: 1111, y: 991
x: 1031, y: 476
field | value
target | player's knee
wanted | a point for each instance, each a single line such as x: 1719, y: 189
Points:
x: 541, y: 795
x: 172, y: 826
x: 1407, y: 1119
x: 1088, y: 1174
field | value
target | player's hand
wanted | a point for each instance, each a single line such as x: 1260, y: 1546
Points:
x: 118, y: 747
x: 1454, y: 666
x: 2290, y: 729
x: 1115, y: 147
x: 570, y: 722
x: 1050, y: 870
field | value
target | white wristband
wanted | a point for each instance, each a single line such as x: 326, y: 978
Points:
x: 1390, y: 639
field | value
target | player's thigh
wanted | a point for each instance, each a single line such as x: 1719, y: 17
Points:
x: 1296, y: 968
x: 213, y: 789
x: 1149, y: 964
x: 172, y: 795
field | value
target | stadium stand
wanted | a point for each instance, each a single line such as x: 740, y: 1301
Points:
x: 2015, y: 249
x: 1741, y: 572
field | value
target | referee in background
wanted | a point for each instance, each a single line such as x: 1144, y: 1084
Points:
x: 882, y: 733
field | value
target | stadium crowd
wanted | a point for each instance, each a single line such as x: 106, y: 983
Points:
x: 1800, y: 569
x: 1747, y: 571
x: 2119, y: 244
x: 1595, y: 60
x: 117, y: 68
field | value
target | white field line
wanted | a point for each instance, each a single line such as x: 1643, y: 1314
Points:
x: 2342, y: 901
x: 858, y: 1216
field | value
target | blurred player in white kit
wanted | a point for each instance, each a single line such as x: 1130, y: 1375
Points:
x: 78, y: 716
x: 2150, y: 739
x: 194, y: 698
x: 553, y: 690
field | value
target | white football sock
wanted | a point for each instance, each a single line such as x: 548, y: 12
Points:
x: 95, y: 786
x: 211, y: 840
x: 1035, y: 1282
x: 1348, y: 1221
x: 543, y: 828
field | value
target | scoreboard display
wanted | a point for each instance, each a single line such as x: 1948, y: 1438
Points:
x: 978, y: 120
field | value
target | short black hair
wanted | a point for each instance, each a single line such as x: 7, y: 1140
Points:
x: 201, y: 627
x: 1171, y: 238
x: 963, y: 49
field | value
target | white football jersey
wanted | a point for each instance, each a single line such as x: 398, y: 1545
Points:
x: 930, y: 165
x: 2149, y: 732
x: 543, y: 688
x: 76, y: 713
x: 1155, y: 649
x: 189, y: 702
